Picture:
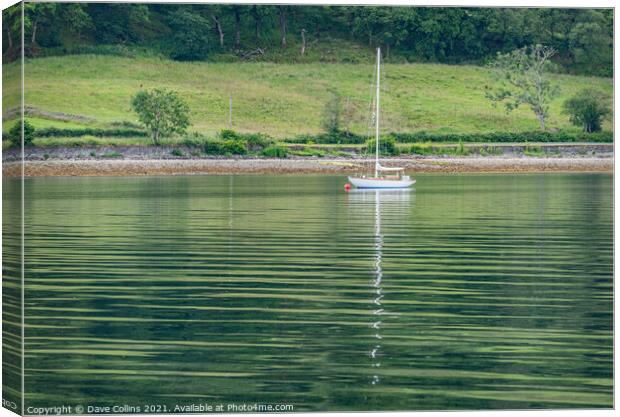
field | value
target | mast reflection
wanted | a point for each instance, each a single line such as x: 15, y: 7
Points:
x: 395, y: 203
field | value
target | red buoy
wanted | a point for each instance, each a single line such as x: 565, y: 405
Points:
x: 347, y: 187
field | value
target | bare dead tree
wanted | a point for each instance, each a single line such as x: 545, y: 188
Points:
x: 218, y: 28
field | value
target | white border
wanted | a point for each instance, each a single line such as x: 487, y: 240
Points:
x: 461, y: 3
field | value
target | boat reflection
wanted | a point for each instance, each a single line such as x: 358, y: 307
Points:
x: 395, y: 203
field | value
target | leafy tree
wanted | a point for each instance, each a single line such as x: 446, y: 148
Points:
x: 36, y: 14
x: 591, y: 42
x: 216, y: 12
x: 75, y: 18
x: 15, y: 134
x: 282, y: 16
x: 331, y: 113
x: 119, y: 22
x: 583, y: 38
x: 315, y: 19
x: 190, y: 36
x: 237, y: 12
x: 11, y: 23
x: 521, y: 78
x: 587, y: 109
x: 162, y: 112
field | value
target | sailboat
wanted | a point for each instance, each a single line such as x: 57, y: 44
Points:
x: 384, y: 177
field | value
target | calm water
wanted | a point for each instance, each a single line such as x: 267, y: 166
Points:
x: 471, y: 291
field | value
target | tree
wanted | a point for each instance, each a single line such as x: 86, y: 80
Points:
x: 331, y: 113
x: 257, y: 15
x: 11, y: 22
x: 15, y: 134
x: 119, y: 23
x: 34, y: 15
x: 190, y: 36
x: 237, y: 12
x: 587, y: 109
x: 216, y: 15
x: 283, y: 13
x: 303, y: 41
x: 591, y: 43
x: 583, y: 37
x: 162, y: 112
x: 75, y: 18
x: 521, y: 78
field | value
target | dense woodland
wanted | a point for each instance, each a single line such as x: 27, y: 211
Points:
x: 583, y: 38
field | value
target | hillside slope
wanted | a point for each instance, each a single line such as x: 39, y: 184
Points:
x: 278, y: 99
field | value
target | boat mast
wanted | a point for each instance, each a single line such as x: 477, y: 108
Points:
x: 377, y: 115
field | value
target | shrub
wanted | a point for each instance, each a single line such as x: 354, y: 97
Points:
x: 193, y: 140
x: 212, y: 147
x: 387, y: 146
x: 177, y: 152
x: 504, y: 137
x: 120, y: 132
x: 587, y: 109
x: 229, y: 134
x: 421, y: 148
x: 254, y: 141
x: 15, y: 134
x: 234, y: 147
x: 258, y: 140
x: 275, y: 152
x: 335, y: 137
x: 125, y: 124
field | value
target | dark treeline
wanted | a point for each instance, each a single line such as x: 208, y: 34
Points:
x: 582, y: 37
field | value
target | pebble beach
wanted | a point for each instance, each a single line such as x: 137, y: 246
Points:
x: 217, y: 166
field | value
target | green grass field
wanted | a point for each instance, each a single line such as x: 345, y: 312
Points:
x: 278, y: 99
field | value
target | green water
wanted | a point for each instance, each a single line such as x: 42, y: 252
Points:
x: 468, y: 292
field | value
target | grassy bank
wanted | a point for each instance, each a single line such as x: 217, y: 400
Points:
x: 280, y: 100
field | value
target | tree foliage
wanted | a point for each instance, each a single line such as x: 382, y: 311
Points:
x: 122, y: 23
x: 521, y: 77
x: 583, y: 38
x: 588, y: 108
x: 162, y: 112
x: 15, y: 134
x: 189, y: 40
x: 76, y: 19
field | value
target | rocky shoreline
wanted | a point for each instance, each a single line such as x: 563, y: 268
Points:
x: 299, y: 165
x: 180, y: 152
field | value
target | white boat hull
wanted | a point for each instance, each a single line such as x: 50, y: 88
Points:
x: 380, y: 183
